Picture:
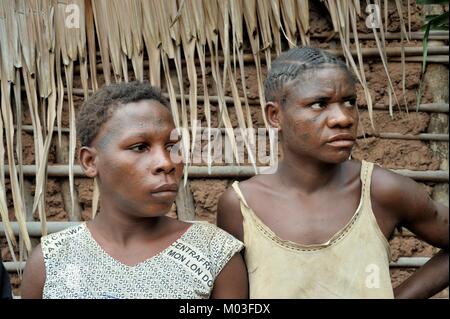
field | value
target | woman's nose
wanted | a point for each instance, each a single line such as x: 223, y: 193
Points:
x: 162, y: 162
x: 341, y: 116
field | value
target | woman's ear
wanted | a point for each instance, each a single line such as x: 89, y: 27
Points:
x: 88, y: 157
x: 273, y: 114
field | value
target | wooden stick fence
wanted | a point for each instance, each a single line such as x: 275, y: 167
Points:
x: 366, y: 53
x: 34, y: 228
x: 433, y: 35
x: 396, y: 136
x: 402, y: 262
x: 229, y: 172
x: 428, y: 107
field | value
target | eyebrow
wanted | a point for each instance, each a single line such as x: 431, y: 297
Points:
x: 320, y: 98
x: 147, y: 135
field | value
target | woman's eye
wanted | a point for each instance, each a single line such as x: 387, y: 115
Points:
x: 350, y: 103
x: 317, y: 106
x: 139, y: 148
x: 169, y: 147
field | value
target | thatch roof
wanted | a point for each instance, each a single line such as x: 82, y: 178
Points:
x: 43, y: 41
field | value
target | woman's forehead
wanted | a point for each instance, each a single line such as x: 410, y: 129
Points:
x: 148, y: 119
x: 323, y: 81
x: 143, y: 110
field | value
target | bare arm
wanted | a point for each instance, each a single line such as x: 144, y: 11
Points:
x: 232, y: 282
x: 34, y: 275
x: 405, y: 203
x: 229, y: 215
x: 229, y: 218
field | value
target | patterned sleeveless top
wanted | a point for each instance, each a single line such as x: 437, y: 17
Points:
x: 78, y: 268
x: 354, y: 263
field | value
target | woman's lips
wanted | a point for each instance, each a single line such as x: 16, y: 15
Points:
x: 342, y: 143
x: 343, y: 140
x: 169, y: 195
x: 166, y: 191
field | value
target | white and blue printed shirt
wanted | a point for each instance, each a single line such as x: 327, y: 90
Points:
x: 78, y: 268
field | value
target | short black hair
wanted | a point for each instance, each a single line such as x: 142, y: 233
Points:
x: 99, y: 107
x: 291, y: 64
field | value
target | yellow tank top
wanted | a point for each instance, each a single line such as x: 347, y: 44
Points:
x: 354, y: 263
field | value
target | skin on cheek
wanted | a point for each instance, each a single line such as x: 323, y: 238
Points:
x: 305, y: 137
x: 314, y: 119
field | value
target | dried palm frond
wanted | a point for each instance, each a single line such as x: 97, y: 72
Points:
x: 362, y: 75
x: 249, y: 10
x: 188, y: 39
x: 9, y: 59
x: 275, y: 22
x: 237, y: 16
x: 303, y: 20
x: 98, y: 7
x: 178, y: 36
x: 212, y: 15
x: 200, y: 20
x: 381, y: 45
x: 92, y: 54
x: 152, y: 41
x: 9, y: 234
x: 171, y: 10
x: 19, y: 209
x: 288, y: 14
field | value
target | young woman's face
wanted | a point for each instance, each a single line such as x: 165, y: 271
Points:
x: 319, y: 117
x: 133, y: 160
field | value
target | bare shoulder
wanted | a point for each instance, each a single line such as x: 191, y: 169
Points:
x: 232, y: 281
x: 403, y: 202
x: 229, y: 215
x: 34, y: 275
x: 393, y: 190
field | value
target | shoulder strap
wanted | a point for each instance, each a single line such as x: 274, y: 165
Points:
x: 366, y: 177
x: 239, y: 193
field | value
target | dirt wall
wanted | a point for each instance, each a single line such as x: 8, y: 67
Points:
x: 389, y: 153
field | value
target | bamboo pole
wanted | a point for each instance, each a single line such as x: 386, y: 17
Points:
x: 427, y: 107
x: 409, y: 262
x: 416, y: 52
x: 373, y: 52
x: 444, y: 59
x: 35, y: 231
x: 402, y: 262
x: 34, y: 228
x: 432, y: 108
x: 433, y: 35
x: 230, y: 172
x: 397, y: 136
x: 419, y: 137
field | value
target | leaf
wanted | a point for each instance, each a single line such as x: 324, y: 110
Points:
x: 424, y: 63
x: 425, y: 2
x: 436, y: 21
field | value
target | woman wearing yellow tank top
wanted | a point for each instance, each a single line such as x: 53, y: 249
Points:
x: 319, y: 226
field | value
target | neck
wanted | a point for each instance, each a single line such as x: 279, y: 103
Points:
x: 306, y: 174
x: 119, y: 227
